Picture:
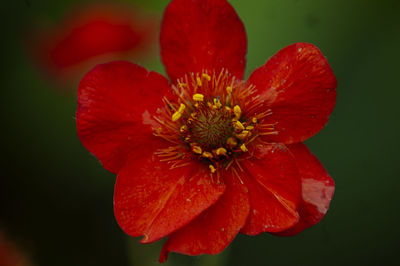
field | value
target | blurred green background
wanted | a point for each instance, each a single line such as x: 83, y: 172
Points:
x: 56, y: 199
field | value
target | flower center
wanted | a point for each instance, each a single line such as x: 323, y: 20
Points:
x: 211, y: 120
x: 210, y: 127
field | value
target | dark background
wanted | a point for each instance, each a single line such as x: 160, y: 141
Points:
x: 56, y: 199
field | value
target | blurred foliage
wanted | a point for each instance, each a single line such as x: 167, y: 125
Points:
x: 56, y: 199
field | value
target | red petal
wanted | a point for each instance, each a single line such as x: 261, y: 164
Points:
x: 274, y: 188
x: 298, y: 85
x: 89, y: 32
x: 153, y: 200
x: 216, y: 227
x: 202, y: 34
x: 317, y: 189
x: 115, y: 105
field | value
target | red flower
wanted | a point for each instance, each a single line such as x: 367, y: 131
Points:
x: 91, y: 35
x: 210, y: 155
x: 10, y: 254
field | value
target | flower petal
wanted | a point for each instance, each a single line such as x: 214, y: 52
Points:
x: 317, y: 189
x: 201, y: 35
x: 115, y: 106
x: 274, y: 188
x: 153, y: 200
x: 299, y: 87
x: 90, y: 35
x: 216, y: 227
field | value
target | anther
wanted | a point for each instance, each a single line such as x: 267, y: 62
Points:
x: 198, y: 97
x: 237, y: 111
x: 181, y: 85
x: 217, y: 103
x: 178, y: 113
x: 199, y: 83
x: 207, y: 154
x: 183, y: 129
x: 207, y: 77
x: 176, y: 116
x: 243, y: 148
x: 249, y: 127
x: 196, y: 149
x: 212, y: 168
x: 244, y: 134
x: 221, y: 151
x: 238, y: 126
x: 228, y: 98
x: 254, y: 120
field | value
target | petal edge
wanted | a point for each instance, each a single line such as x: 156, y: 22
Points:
x: 317, y: 189
x: 299, y: 87
x: 213, y: 230
x: 202, y: 35
x: 115, y: 104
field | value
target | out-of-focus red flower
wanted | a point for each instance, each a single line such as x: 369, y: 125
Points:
x: 91, y: 35
x: 10, y: 255
x: 210, y: 155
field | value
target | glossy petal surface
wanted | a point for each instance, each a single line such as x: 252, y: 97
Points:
x: 274, y: 188
x: 115, y: 106
x: 317, y: 189
x: 152, y: 200
x: 202, y: 34
x: 298, y: 85
x: 216, y: 227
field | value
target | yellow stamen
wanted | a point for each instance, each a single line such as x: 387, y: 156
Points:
x: 238, y: 126
x: 181, y: 85
x: 237, y: 111
x: 227, y: 108
x: 207, y: 77
x: 176, y: 116
x: 198, y: 97
x: 217, y: 103
x: 207, y: 154
x: 228, y: 97
x: 196, y: 149
x: 221, y: 151
x: 249, y: 128
x: 199, y: 83
x: 212, y: 168
x: 231, y: 142
x: 181, y: 108
x: 178, y: 113
x: 243, y: 148
x: 183, y: 129
x: 244, y: 134
x: 254, y: 120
